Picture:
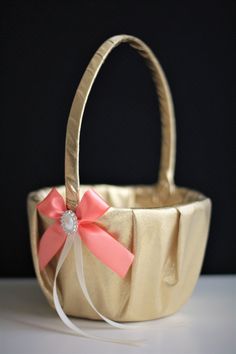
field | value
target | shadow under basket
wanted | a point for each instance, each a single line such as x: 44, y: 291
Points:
x: 164, y: 226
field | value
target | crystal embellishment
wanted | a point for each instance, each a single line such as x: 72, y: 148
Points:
x: 69, y: 222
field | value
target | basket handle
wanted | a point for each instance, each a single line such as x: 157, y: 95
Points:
x: 167, y: 163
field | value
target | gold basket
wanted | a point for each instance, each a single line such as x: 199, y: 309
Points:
x: 165, y: 227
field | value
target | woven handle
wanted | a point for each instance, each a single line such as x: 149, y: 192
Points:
x: 167, y: 164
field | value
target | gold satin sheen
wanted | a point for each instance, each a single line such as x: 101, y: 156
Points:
x: 166, y: 227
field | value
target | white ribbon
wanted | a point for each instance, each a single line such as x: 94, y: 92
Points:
x: 75, y: 240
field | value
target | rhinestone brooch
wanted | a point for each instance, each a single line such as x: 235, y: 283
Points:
x: 69, y: 222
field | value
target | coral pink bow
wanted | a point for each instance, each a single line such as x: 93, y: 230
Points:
x: 103, y: 245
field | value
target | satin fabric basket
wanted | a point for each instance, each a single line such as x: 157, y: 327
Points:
x: 165, y: 226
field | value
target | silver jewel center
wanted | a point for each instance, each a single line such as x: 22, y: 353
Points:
x: 69, y: 222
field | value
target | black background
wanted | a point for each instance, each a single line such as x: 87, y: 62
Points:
x: 45, y: 49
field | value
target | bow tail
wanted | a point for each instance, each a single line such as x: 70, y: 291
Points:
x: 70, y: 241
x: 50, y: 243
x: 106, y: 248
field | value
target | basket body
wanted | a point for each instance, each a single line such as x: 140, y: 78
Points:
x: 168, y: 236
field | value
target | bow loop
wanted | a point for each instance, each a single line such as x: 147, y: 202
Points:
x: 53, y: 205
x: 91, y: 206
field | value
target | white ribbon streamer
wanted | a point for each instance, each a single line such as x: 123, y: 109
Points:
x: 74, y: 240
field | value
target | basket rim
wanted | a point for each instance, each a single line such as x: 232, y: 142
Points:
x: 39, y: 194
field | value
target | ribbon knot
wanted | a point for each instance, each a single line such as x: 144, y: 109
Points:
x: 85, y: 224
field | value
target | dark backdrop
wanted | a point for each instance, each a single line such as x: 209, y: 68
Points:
x: 45, y: 50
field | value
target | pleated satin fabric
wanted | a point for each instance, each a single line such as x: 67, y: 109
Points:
x: 168, y: 243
